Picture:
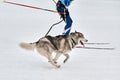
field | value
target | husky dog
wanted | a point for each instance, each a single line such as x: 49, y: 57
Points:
x: 58, y: 44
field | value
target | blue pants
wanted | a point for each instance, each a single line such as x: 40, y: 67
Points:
x: 68, y: 25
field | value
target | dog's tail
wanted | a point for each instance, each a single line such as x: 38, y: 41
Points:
x: 28, y: 46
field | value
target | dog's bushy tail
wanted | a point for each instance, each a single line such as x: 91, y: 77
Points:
x: 27, y: 46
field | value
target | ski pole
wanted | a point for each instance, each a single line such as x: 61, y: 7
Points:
x: 33, y: 7
x: 27, y: 6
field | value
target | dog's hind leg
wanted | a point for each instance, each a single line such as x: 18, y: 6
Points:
x: 52, y: 61
x: 48, y: 55
x: 67, y: 57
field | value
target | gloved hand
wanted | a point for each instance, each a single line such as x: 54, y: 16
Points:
x: 62, y: 16
x: 66, y: 12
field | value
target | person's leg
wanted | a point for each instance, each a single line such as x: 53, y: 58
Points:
x: 68, y: 26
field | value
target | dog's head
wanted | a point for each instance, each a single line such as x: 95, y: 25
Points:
x: 78, y: 37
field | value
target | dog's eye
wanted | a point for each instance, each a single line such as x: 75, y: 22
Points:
x: 80, y: 35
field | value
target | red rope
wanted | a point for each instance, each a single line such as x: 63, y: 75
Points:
x: 33, y: 7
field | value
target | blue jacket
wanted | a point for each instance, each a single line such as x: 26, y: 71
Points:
x: 66, y: 2
x: 61, y: 8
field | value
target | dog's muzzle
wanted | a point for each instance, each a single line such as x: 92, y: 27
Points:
x: 81, y: 41
x: 85, y: 40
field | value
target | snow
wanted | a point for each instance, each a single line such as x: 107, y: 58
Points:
x: 99, y: 20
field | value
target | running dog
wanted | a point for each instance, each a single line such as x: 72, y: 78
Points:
x: 60, y: 44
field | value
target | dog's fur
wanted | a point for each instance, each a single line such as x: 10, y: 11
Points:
x: 58, y: 44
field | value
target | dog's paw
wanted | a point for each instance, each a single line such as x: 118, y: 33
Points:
x: 58, y: 66
x: 64, y: 61
x: 55, y: 62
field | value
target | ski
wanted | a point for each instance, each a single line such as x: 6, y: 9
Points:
x: 100, y: 48
x: 97, y: 43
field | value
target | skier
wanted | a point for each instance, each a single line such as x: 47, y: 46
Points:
x: 64, y: 14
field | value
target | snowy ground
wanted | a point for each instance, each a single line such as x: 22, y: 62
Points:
x: 99, y: 20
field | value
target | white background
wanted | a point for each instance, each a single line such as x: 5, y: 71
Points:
x: 98, y: 20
